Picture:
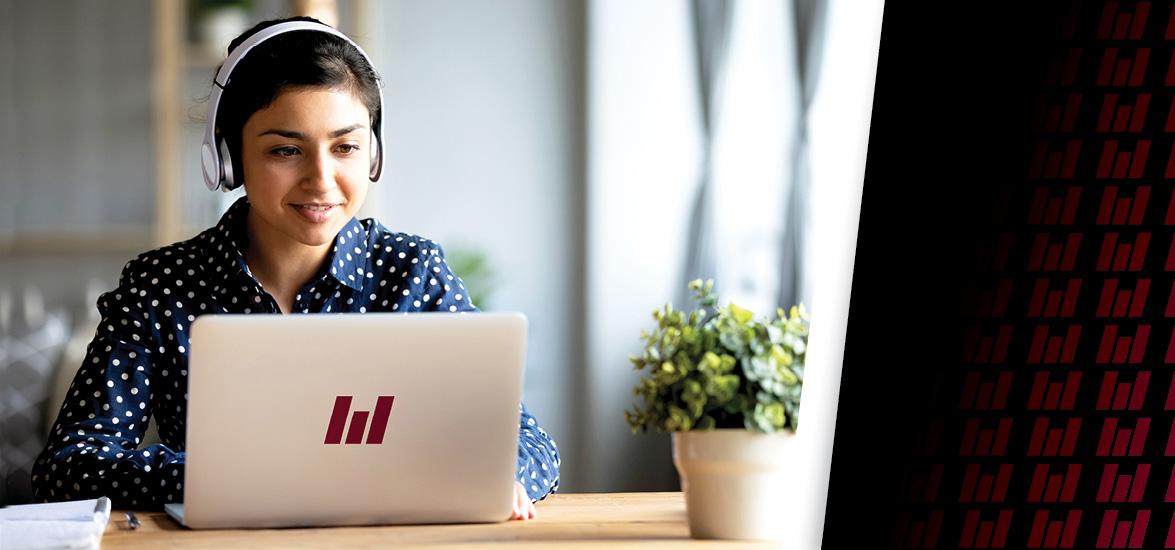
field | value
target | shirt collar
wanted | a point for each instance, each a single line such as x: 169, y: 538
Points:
x: 346, y: 263
x: 348, y: 257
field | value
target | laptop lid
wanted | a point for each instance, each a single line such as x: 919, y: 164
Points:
x: 352, y: 419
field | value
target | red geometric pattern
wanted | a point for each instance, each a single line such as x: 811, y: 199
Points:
x: 1062, y: 433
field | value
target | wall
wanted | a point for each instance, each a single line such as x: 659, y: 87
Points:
x: 482, y: 133
x: 643, y: 142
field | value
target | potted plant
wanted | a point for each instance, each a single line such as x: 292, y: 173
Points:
x: 728, y: 388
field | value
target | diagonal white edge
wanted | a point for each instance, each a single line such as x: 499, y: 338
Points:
x: 839, y: 135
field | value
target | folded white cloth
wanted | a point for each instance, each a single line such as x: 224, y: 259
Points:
x: 75, y: 524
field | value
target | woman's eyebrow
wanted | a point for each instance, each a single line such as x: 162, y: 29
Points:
x: 283, y: 133
x: 290, y: 134
x: 347, y: 130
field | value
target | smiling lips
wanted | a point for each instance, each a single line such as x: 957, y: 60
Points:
x: 315, y: 212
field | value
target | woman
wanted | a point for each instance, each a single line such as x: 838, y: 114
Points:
x: 297, y: 125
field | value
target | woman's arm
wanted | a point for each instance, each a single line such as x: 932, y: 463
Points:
x: 92, y: 448
x: 538, y: 458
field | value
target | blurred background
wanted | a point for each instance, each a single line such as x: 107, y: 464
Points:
x: 580, y: 160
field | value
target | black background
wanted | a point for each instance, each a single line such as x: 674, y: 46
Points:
x: 948, y: 139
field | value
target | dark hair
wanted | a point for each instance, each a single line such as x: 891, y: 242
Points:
x: 290, y: 60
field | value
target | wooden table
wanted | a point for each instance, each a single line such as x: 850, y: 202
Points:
x: 590, y: 520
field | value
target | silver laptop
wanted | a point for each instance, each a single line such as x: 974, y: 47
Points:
x: 313, y: 420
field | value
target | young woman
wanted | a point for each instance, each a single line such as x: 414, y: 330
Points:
x: 297, y: 124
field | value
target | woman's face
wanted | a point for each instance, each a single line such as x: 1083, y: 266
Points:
x: 306, y: 163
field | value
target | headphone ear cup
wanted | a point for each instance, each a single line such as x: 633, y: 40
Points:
x: 375, y: 154
x: 226, y: 167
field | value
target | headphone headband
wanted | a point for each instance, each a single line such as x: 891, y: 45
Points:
x: 214, y: 154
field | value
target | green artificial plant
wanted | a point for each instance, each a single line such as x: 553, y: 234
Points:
x: 473, y: 266
x: 718, y: 367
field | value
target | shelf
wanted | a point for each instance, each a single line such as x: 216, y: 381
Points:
x: 107, y: 240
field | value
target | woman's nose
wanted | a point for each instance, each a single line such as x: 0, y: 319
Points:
x: 320, y: 170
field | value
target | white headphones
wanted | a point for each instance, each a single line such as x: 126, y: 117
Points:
x: 214, y: 154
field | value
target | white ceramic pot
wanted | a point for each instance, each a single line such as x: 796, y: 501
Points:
x: 736, y: 482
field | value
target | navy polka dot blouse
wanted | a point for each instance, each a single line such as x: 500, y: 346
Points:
x: 136, y: 366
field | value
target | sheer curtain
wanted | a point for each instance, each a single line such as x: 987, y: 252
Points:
x: 755, y: 188
x: 711, y: 22
x: 809, y: 30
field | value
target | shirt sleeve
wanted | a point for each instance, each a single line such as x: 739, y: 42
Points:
x: 441, y: 288
x: 92, y: 447
x: 538, y: 457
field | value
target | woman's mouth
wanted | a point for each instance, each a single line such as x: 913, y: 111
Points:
x: 315, y: 212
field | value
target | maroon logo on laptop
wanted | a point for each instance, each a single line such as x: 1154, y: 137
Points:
x: 379, y: 422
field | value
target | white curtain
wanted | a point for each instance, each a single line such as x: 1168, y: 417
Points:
x: 758, y: 184
x: 711, y: 22
x: 808, y: 25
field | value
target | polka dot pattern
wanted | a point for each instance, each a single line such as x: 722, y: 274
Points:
x: 538, y: 458
x: 135, y: 369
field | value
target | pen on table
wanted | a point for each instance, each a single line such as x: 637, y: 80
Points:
x: 132, y: 521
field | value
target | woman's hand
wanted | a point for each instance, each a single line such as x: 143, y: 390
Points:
x: 523, y: 507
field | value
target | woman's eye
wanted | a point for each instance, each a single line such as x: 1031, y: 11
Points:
x: 348, y: 148
x: 285, y: 151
